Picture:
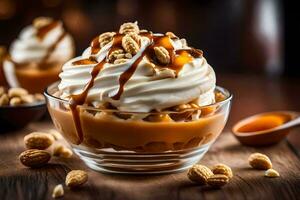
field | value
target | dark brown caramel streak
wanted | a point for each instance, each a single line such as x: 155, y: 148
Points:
x: 177, y: 60
x: 42, y: 32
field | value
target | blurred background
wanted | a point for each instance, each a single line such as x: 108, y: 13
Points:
x: 237, y: 36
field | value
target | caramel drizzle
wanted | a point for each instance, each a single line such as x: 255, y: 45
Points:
x: 178, y: 59
x: 87, y: 61
x: 117, y: 43
x: 44, y: 30
x: 126, y: 75
x: 95, y: 45
x: 52, y: 48
x: 80, y: 99
x: 41, y: 33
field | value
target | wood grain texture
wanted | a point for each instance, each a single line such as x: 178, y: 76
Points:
x: 19, y: 182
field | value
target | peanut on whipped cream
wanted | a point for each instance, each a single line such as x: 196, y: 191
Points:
x: 137, y: 70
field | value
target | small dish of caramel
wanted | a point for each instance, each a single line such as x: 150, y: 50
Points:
x: 265, y: 128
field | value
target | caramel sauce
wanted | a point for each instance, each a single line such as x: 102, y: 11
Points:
x: 79, y: 99
x: 52, y: 48
x: 117, y: 43
x: 149, y: 52
x: 126, y: 75
x: 86, y: 61
x: 264, y: 122
x: 146, y: 34
x: 44, y: 30
x: 95, y: 45
x: 177, y: 60
x: 196, y: 53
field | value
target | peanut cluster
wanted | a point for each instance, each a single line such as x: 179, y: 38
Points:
x: 38, y: 154
x: 221, y: 174
x: 218, y: 176
x: 18, y: 96
x: 263, y: 162
x: 131, y: 44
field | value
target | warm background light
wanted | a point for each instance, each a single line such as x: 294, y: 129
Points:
x: 238, y: 36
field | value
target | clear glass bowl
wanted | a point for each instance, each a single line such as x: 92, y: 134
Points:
x: 139, y: 143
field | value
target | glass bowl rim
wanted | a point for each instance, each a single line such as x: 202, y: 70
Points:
x: 218, y: 88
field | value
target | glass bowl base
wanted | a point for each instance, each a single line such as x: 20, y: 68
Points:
x: 129, y: 162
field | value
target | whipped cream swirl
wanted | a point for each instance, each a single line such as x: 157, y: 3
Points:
x: 29, y: 47
x: 148, y: 89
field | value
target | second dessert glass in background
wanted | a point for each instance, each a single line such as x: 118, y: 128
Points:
x: 36, y: 57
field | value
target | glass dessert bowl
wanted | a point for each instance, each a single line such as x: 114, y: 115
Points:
x: 35, y: 58
x: 138, y: 102
x: 137, y: 142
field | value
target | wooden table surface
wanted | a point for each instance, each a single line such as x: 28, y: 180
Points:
x: 251, y: 95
